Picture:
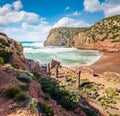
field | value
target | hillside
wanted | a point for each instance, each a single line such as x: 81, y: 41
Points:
x: 26, y: 90
x: 62, y: 36
x: 95, y: 37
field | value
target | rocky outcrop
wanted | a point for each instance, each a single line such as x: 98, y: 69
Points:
x: 62, y: 36
x: 11, y: 52
x: 104, y: 35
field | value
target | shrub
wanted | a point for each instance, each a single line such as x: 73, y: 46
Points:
x: 90, y: 85
x: 1, y: 60
x: 89, y: 112
x: 32, y: 106
x: 5, y: 54
x: 12, y: 92
x: 67, y: 99
x: 110, y: 91
x: 47, y: 109
x: 25, y: 77
x: 20, y: 96
x: 73, y: 79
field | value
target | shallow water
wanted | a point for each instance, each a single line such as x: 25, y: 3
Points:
x: 69, y: 57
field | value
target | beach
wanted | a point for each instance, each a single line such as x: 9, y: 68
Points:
x: 108, y: 62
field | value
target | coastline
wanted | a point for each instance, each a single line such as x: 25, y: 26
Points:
x: 109, y: 61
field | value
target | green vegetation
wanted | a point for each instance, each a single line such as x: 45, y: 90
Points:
x: 5, y: 55
x: 32, y: 105
x: 12, y: 92
x: 25, y: 77
x: 1, y: 60
x: 66, y: 98
x: 15, y: 93
x: 89, y: 112
x: 47, y: 109
x: 20, y: 96
x: 111, y: 92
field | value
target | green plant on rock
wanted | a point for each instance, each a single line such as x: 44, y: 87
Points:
x: 89, y: 112
x: 15, y: 93
x: 73, y: 79
x: 66, y: 98
x: 46, y: 108
x: 33, y: 105
x: 1, y: 60
x: 111, y: 92
x: 12, y: 92
x: 20, y: 96
x: 5, y: 54
x: 25, y: 77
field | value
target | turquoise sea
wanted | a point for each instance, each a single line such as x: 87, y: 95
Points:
x: 69, y: 57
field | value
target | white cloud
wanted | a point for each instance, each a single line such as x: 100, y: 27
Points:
x: 67, y: 8
x: 70, y: 22
x: 6, y: 8
x: 109, y: 7
x: 112, y: 11
x: 10, y: 13
x: 22, y: 25
x: 17, y: 5
x: 75, y: 13
x: 92, y: 5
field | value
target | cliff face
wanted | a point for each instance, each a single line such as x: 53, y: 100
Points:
x: 62, y: 36
x: 11, y: 52
x: 89, y: 38
x: 104, y: 35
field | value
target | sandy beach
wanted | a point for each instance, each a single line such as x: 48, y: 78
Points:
x: 108, y: 62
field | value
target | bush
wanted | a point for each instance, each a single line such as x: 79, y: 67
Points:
x: 1, y: 60
x: 25, y: 77
x: 73, y: 79
x: 32, y: 106
x: 12, y: 92
x: 20, y: 96
x: 67, y: 99
x: 111, y: 91
x: 5, y: 54
x: 47, y: 109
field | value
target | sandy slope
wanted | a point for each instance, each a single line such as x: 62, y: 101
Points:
x: 108, y: 62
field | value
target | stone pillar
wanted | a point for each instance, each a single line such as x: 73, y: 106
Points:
x: 48, y: 68
x: 56, y: 71
x: 78, y: 74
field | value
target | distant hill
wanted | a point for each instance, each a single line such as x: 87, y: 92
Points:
x: 62, y: 36
x: 94, y: 37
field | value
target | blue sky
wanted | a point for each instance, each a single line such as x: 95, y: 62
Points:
x: 31, y: 20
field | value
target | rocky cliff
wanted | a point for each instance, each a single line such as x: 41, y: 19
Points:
x: 62, y: 36
x: 104, y: 35
x: 11, y: 52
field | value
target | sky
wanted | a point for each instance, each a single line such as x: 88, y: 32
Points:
x: 31, y: 20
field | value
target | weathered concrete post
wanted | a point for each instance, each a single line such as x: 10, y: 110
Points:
x: 56, y: 72
x: 78, y: 78
x: 48, y: 68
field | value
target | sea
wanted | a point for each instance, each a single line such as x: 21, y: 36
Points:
x: 69, y: 57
